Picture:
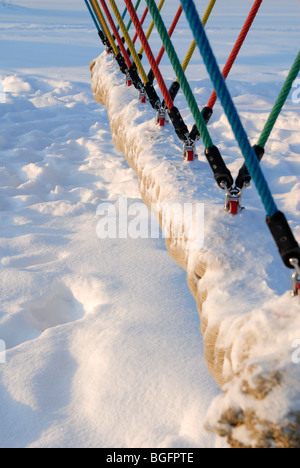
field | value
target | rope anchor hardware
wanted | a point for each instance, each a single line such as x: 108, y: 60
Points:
x: 161, y: 116
x: 296, y: 277
x: 142, y: 96
x: 233, y: 199
x: 128, y: 79
x: 188, y: 152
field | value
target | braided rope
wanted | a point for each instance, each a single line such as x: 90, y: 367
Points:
x: 136, y: 7
x: 128, y: 40
x: 280, y: 102
x: 180, y: 73
x: 105, y: 26
x: 193, y: 45
x: 151, y: 27
x: 238, y: 45
x: 142, y: 22
x: 123, y: 17
x: 94, y: 17
x: 116, y: 34
x: 229, y: 107
x: 170, y: 32
x: 150, y: 56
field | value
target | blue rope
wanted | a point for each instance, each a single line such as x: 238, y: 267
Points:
x: 123, y: 16
x: 93, y: 16
x: 229, y: 107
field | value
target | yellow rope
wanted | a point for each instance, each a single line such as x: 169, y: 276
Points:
x: 106, y: 28
x: 149, y: 32
x: 193, y: 44
x: 129, y: 42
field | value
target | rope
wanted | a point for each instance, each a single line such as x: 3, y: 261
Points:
x: 128, y: 40
x: 179, y: 72
x: 243, y: 175
x: 94, y: 17
x: 105, y: 26
x: 116, y: 34
x: 280, y: 102
x: 149, y: 53
x: 151, y: 27
x: 162, y: 50
x: 142, y: 22
x: 136, y: 9
x: 193, y: 45
x: 229, y: 107
x: 123, y: 17
x: 237, y: 48
x: 170, y: 32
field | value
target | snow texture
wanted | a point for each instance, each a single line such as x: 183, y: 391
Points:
x: 250, y: 322
x: 101, y: 336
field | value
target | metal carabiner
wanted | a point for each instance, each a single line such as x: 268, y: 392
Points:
x: 233, y: 199
x: 296, y: 277
x: 142, y: 96
x: 128, y: 79
x: 161, y: 116
x: 188, y: 152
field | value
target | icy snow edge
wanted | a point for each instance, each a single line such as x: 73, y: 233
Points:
x: 249, y: 330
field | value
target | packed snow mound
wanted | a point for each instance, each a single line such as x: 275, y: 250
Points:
x: 93, y: 340
x: 249, y: 321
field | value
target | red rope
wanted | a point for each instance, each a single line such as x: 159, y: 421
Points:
x: 142, y: 22
x: 237, y: 48
x: 116, y: 34
x: 150, y: 56
x: 95, y: 10
x: 171, y: 30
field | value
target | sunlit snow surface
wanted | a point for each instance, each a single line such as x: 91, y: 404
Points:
x: 103, y: 347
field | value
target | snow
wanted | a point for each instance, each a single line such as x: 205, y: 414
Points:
x: 98, y: 353
x: 103, y: 347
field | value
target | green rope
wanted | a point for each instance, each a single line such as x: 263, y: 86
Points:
x: 280, y: 102
x: 200, y: 122
x: 136, y: 8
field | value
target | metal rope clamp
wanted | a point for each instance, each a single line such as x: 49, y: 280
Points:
x: 296, y: 277
x: 233, y: 199
x: 128, y: 79
x: 161, y: 116
x: 143, y: 96
x: 188, y: 152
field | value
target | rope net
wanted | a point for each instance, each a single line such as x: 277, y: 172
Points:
x: 109, y: 22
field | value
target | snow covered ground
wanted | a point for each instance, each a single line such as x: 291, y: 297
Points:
x: 102, y: 336
x: 103, y: 347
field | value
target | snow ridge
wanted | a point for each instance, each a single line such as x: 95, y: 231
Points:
x: 248, y: 323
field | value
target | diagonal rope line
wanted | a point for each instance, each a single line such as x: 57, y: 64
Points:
x: 285, y: 91
x: 136, y: 7
x: 229, y: 107
x: 180, y: 73
x: 94, y: 17
x: 105, y: 26
x: 116, y: 34
x: 193, y: 45
x: 162, y: 50
x: 133, y: 52
x: 151, y: 27
x: 237, y: 47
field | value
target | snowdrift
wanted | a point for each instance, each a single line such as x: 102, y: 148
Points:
x: 250, y: 324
